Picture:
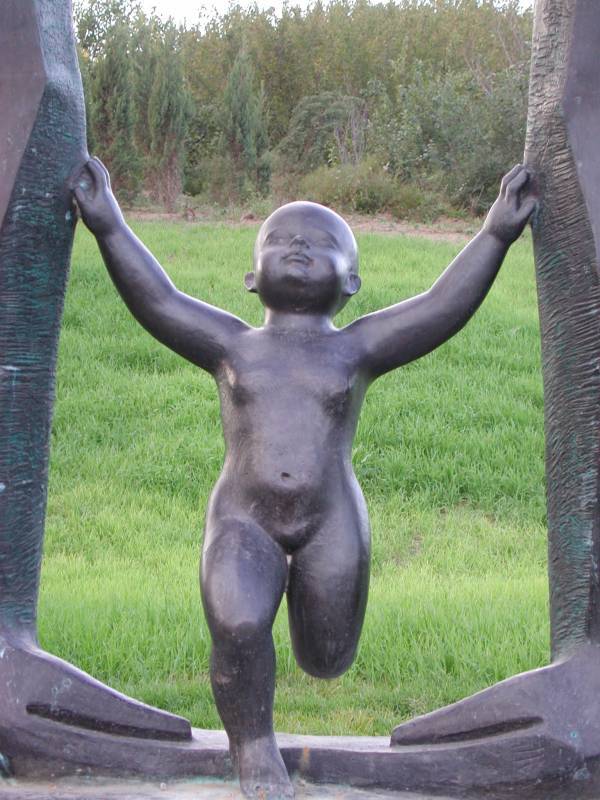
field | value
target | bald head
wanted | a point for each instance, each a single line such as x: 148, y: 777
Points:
x: 305, y: 260
x: 303, y: 216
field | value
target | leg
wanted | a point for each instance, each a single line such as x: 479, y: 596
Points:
x: 242, y: 579
x: 327, y: 596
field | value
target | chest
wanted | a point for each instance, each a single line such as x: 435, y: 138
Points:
x: 291, y: 376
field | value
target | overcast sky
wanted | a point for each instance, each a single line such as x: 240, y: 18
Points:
x: 190, y: 10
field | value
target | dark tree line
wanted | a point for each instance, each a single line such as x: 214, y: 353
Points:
x: 363, y: 105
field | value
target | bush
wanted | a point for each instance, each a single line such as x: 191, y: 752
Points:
x: 368, y: 189
x: 365, y: 187
x: 203, y: 142
x: 217, y: 179
x: 413, y: 201
x: 325, y: 129
x: 458, y: 132
x: 193, y: 181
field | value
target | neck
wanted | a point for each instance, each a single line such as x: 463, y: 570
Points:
x: 298, y: 321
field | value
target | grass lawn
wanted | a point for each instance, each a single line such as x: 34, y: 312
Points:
x: 449, y: 453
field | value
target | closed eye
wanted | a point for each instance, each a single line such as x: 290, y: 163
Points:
x: 320, y: 241
x: 276, y: 238
x: 273, y: 238
x: 325, y: 239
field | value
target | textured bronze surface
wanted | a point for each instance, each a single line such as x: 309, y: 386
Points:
x: 562, y: 148
x: 22, y: 83
x: 43, y: 139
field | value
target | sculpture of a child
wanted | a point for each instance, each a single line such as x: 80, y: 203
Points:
x: 287, y: 513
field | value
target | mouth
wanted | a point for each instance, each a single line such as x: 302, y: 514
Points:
x: 297, y: 258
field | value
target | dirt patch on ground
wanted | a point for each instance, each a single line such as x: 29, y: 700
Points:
x: 444, y: 229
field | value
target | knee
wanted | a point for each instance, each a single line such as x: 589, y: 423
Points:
x: 244, y: 632
x: 327, y: 660
x: 241, y: 588
x: 238, y: 629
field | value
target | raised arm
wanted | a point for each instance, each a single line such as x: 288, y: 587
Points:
x: 404, y: 332
x: 198, y: 331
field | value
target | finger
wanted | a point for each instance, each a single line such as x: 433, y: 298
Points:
x: 517, y: 183
x: 79, y: 195
x: 103, y: 169
x: 527, y: 209
x: 75, y: 210
x: 85, y: 180
x: 97, y: 174
x: 509, y: 176
x: 78, y: 176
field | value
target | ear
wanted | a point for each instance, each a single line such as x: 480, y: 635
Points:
x: 351, y: 284
x: 249, y: 282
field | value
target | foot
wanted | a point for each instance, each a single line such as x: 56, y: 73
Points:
x: 263, y: 775
x: 559, y: 703
x: 43, y: 686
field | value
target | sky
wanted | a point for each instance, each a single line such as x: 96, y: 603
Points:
x: 190, y: 10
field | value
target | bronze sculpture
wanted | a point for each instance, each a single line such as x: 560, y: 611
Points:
x: 287, y: 489
x: 535, y: 735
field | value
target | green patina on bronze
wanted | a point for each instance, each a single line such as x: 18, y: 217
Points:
x: 35, y: 247
x: 558, y: 142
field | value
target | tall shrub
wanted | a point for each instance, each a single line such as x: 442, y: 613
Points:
x: 453, y: 131
x: 169, y: 110
x: 113, y: 111
x: 325, y: 129
x: 244, y: 126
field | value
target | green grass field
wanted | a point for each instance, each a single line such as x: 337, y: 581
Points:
x: 449, y: 453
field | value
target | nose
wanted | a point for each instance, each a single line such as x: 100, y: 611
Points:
x: 299, y: 240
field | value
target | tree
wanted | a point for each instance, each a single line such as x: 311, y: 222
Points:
x: 113, y: 111
x: 244, y: 126
x: 95, y: 20
x: 444, y: 70
x: 169, y: 111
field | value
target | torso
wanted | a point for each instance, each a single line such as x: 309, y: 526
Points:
x: 290, y: 405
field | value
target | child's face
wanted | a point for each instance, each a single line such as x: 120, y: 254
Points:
x: 305, y: 259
